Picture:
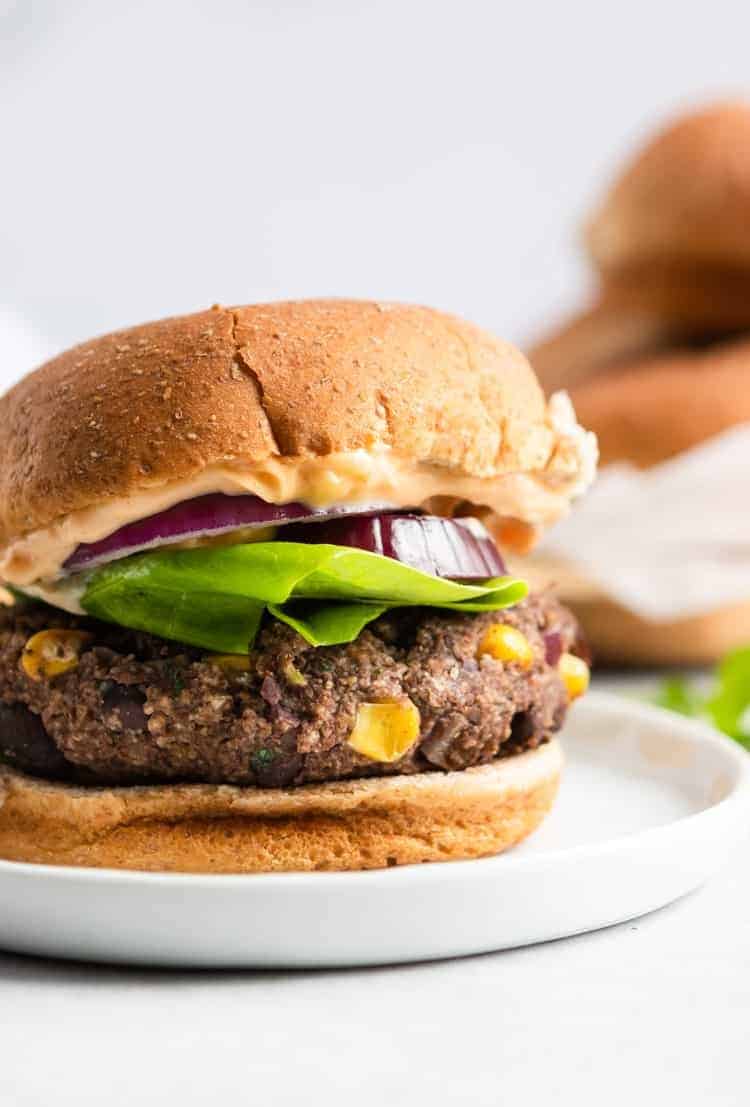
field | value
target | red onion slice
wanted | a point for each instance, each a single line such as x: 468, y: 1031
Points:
x: 458, y: 549
x: 552, y: 647
x: 213, y: 514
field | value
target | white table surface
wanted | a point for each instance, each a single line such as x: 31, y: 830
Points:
x: 655, y: 1011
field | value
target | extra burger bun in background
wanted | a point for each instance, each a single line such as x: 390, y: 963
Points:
x: 670, y: 243
x: 659, y: 363
x: 326, y: 402
x: 620, y: 637
x: 673, y: 229
x: 607, y: 334
x: 660, y: 406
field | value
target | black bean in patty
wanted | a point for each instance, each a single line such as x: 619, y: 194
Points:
x: 25, y: 744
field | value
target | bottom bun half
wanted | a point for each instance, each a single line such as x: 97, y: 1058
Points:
x: 338, y: 826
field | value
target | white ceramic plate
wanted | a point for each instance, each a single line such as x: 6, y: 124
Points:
x: 649, y: 805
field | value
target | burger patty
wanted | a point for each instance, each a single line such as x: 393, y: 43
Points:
x: 137, y: 708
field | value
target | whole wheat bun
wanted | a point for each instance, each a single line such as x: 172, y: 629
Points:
x: 652, y: 409
x: 161, y: 402
x: 671, y: 244
x: 658, y: 363
x: 345, y: 825
x: 645, y: 413
x: 603, y: 336
x: 620, y: 637
x: 684, y: 198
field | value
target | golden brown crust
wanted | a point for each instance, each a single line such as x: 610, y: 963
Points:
x: 163, y: 401
x: 684, y: 198
x: 348, y: 825
x: 654, y: 409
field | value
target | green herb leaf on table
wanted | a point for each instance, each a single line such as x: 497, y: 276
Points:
x: 677, y: 694
x: 215, y: 598
x: 729, y: 705
x: 726, y: 706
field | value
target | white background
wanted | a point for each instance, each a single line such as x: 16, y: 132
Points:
x: 157, y: 157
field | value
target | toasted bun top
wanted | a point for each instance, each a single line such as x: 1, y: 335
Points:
x: 655, y: 408
x: 685, y: 197
x: 162, y: 402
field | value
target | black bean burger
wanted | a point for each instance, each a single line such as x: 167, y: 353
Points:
x: 260, y: 620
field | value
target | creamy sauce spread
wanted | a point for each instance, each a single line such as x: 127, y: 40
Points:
x: 537, y: 499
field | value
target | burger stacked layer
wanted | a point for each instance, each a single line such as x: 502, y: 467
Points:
x: 330, y: 609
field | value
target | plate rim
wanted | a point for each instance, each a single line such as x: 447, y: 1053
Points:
x: 736, y: 800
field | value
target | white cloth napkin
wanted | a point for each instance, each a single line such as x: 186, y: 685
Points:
x: 672, y: 541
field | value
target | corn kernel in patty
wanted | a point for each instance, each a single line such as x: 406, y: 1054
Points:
x: 49, y: 653
x: 505, y: 643
x: 385, y: 731
x: 231, y: 662
x: 575, y: 675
